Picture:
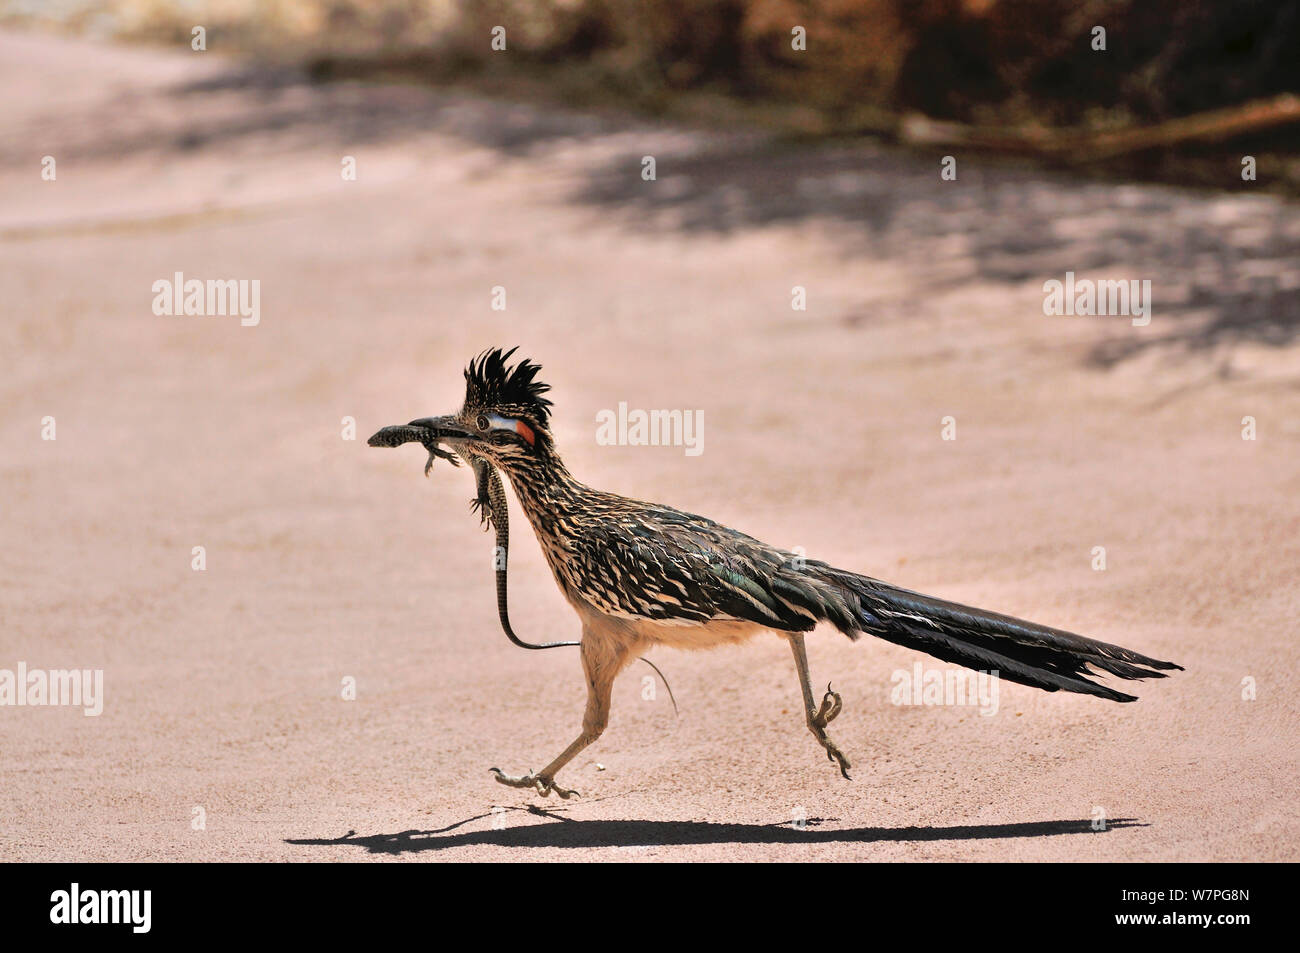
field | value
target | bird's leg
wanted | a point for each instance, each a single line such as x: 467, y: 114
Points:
x: 818, y: 717
x: 602, y: 660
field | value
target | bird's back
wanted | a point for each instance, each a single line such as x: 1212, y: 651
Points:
x: 658, y: 564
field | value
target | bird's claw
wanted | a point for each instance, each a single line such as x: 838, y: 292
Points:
x: 830, y: 708
x: 833, y: 753
x: 543, y: 785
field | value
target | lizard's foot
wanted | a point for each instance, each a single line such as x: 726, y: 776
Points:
x: 483, y: 507
x: 831, y: 706
x: 436, y: 452
x: 543, y: 785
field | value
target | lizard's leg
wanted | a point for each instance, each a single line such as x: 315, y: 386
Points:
x: 482, y: 502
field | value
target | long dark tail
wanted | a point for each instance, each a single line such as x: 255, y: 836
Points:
x: 1022, y: 652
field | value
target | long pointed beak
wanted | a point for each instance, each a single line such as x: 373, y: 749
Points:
x: 445, y: 427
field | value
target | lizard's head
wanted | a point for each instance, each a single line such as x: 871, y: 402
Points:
x: 505, y: 418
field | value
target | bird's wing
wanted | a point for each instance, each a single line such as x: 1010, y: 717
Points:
x: 678, y: 568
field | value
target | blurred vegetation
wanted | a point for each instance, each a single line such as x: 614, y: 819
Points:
x: 992, y: 63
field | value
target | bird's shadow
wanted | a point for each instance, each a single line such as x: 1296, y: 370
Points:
x: 630, y: 834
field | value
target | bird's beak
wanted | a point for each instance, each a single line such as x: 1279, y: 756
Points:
x: 444, y: 427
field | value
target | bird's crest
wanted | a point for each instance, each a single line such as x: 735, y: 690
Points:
x: 489, y: 383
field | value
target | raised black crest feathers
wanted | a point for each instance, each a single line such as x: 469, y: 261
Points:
x: 490, y: 383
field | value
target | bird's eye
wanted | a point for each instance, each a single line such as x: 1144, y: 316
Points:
x: 483, y: 423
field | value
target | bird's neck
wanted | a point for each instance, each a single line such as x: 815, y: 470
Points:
x: 545, y: 489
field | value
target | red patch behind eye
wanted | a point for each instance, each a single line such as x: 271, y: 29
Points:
x: 525, y: 431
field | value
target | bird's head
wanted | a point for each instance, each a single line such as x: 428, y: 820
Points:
x: 505, y: 418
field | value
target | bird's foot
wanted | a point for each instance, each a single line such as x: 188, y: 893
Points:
x: 833, y: 753
x: 830, y: 708
x: 544, y: 785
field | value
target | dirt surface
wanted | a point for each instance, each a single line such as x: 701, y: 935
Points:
x: 327, y: 560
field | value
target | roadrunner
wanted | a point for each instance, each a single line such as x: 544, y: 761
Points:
x: 642, y: 574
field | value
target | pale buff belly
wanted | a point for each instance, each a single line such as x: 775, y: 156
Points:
x: 640, y: 634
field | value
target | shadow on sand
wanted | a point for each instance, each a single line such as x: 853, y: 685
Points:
x: 567, y: 832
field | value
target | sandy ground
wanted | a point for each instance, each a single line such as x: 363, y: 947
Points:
x: 327, y: 560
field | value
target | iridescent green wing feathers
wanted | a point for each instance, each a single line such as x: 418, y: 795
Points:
x: 669, y: 566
